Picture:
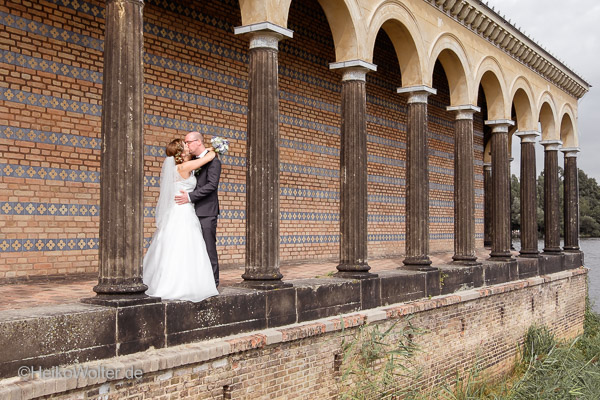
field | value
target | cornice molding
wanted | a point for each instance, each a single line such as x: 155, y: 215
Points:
x: 489, y: 25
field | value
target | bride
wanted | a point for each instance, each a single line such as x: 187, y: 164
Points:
x: 176, y: 266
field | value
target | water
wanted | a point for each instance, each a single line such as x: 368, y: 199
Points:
x: 591, y: 250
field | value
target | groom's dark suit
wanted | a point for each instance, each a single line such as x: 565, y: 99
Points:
x: 206, y: 202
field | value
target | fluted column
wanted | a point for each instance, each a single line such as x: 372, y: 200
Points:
x: 464, y: 186
x: 122, y: 159
x: 262, y: 158
x: 417, y: 179
x: 571, y: 200
x: 500, y: 190
x: 551, y: 198
x: 529, y: 228
x: 487, y: 204
x: 353, y: 171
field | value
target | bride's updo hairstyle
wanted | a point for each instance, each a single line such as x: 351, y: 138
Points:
x: 175, y: 149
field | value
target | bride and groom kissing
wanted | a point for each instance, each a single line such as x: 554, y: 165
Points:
x: 181, y: 262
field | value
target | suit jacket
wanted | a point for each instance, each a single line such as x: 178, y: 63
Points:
x: 205, y: 196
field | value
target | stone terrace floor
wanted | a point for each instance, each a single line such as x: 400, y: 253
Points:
x: 72, y: 289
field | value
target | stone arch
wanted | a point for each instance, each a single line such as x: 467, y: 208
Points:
x: 341, y: 16
x: 491, y: 77
x: 401, y: 27
x: 548, y: 117
x: 453, y: 57
x: 522, y: 99
x: 568, y: 132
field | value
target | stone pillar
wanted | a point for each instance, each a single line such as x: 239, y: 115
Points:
x: 353, y: 171
x: 262, y: 158
x: 571, y: 200
x: 487, y: 204
x: 464, y: 186
x: 500, y: 191
x: 529, y: 228
x: 417, y: 179
x: 122, y: 160
x: 551, y: 199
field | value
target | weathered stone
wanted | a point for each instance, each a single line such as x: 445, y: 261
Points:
x: 140, y: 327
x: 402, y: 285
x: 528, y: 194
x: 496, y: 272
x: 528, y: 267
x: 122, y: 161
x: 353, y: 177
x: 233, y: 311
x: 551, y: 200
x: 454, y: 278
x: 49, y: 336
x: 551, y: 263
x: 319, y: 298
x: 262, y: 173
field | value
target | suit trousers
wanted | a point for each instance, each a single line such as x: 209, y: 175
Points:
x: 209, y: 231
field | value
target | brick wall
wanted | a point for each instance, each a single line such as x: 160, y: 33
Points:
x: 480, y: 326
x: 195, y: 78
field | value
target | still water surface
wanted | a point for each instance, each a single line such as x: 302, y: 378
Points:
x: 591, y: 250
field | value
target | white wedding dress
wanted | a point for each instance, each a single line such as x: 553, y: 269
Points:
x: 176, y: 266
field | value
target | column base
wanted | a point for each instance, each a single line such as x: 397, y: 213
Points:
x: 121, y: 300
x: 529, y: 253
x: 501, y: 256
x: 263, y: 284
x: 354, y: 271
x: 554, y: 250
x: 419, y: 263
x: 120, y: 288
x: 355, y: 275
x: 459, y: 260
x: 572, y: 249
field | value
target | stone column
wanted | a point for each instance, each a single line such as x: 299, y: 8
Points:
x: 353, y: 171
x: 487, y: 204
x: 500, y: 191
x: 417, y: 179
x: 122, y: 159
x: 529, y: 231
x: 571, y: 200
x: 262, y: 158
x: 551, y: 199
x: 464, y: 186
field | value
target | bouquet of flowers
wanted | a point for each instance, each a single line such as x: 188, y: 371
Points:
x: 220, y: 145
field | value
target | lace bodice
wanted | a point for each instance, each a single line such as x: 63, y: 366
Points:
x: 186, y: 184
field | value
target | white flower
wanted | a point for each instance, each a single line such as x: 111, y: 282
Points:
x: 220, y: 145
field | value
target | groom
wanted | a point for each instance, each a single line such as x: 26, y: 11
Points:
x: 205, y: 197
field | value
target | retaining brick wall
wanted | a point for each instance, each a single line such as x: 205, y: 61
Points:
x: 480, y: 326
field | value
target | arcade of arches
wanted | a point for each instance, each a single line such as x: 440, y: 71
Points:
x: 358, y: 129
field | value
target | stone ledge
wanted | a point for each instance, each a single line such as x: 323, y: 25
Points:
x: 96, y: 332
x: 156, y: 360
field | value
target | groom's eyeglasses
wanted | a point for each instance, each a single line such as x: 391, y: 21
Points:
x: 190, y: 141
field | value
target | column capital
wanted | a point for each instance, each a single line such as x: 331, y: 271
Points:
x: 500, y: 125
x: 465, y: 111
x: 417, y: 94
x: 528, y: 136
x: 487, y: 165
x: 551, y: 145
x: 264, y: 34
x: 570, y: 151
x: 353, y: 70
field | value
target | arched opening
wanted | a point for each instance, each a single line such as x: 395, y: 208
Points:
x: 386, y: 143
x: 441, y: 156
x: 309, y: 131
x: 567, y: 131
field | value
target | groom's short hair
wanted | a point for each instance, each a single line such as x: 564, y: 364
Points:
x: 198, y: 136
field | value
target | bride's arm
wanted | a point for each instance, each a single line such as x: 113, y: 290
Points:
x: 191, y: 165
